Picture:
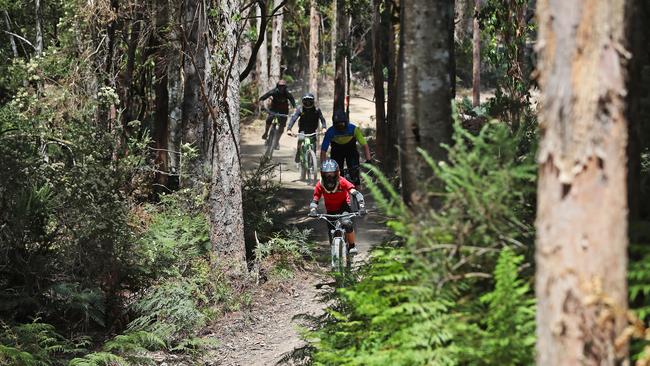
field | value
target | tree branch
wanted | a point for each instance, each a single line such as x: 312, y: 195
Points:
x: 261, y: 33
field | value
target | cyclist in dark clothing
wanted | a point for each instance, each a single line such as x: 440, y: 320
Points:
x: 343, y: 136
x: 308, y: 116
x: 281, y: 97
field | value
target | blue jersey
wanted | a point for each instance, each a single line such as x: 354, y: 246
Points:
x: 335, y: 136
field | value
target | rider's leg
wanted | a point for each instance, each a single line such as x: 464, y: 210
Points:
x: 282, y: 122
x: 269, y: 119
x: 297, y: 158
x: 338, y: 154
x: 352, y: 159
x: 350, y: 236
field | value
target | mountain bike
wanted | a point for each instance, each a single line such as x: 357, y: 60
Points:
x: 308, y: 162
x: 340, y: 260
x: 273, y: 138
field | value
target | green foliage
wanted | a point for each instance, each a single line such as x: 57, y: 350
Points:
x: 34, y: 344
x: 509, y: 335
x: 260, y: 202
x: 284, y: 252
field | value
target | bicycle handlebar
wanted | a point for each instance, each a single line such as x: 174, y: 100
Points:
x: 304, y: 134
x: 338, y: 216
x: 275, y: 113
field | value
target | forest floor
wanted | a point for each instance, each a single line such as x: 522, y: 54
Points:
x: 267, y: 330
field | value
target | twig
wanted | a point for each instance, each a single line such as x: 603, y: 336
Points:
x: 20, y: 37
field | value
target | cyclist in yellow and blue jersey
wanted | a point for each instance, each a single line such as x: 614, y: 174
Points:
x: 343, y: 136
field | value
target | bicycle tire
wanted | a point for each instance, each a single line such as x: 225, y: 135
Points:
x: 335, y: 252
x: 312, y: 166
x: 302, y: 163
x: 270, y: 141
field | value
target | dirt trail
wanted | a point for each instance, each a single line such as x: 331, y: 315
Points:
x: 263, y: 335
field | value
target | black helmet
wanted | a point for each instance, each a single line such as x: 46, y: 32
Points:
x: 281, y: 85
x: 329, y: 173
x: 340, y: 120
x: 308, y: 101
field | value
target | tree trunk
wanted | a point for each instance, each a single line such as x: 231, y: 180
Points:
x: 175, y: 92
x: 38, y: 45
x: 194, y: 115
x: 262, y: 65
x: 476, y: 56
x: 425, y: 117
x: 160, y: 130
x: 276, y: 47
x: 226, y: 212
x: 392, y: 22
x: 378, y: 80
x: 334, y: 24
x: 14, y: 49
x: 313, y: 48
x: 582, y: 208
x: 341, y: 52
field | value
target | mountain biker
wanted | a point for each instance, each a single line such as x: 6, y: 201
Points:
x: 336, y: 192
x: 281, y: 97
x: 308, y: 116
x: 343, y: 136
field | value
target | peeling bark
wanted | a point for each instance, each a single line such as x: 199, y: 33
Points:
x: 582, y: 209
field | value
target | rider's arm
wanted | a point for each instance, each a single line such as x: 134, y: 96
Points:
x: 290, y: 97
x: 313, y: 206
x: 322, y: 119
x: 294, y: 118
x: 267, y: 95
x: 360, y: 200
x: 362, y: 140
x: 326, y: 143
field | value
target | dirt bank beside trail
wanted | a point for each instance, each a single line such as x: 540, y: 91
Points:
x: 264, y: 334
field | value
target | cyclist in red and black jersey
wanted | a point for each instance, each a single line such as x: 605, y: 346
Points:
x: 336, y: 192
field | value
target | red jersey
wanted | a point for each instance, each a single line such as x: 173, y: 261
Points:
x: 334, y: 201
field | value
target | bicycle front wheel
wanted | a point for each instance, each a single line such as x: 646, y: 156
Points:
x: 311, y: 167
x: 270, y: 141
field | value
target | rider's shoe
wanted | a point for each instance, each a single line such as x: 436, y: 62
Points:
x: 264, y: 136
x: 352, y: 249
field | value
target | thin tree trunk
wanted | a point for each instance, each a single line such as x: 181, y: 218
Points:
x: 262, y: 64
x: 334, y: 32
x: 425, y: 119
x: 128, y: 74
x: 276, y: 47
x: 160, y: 130
x: 378, y: 80
x: 38, y: 45
x: 391, y: 161
x: 581, y: 251
x: 476, y: 56
x: 341, y: 52
x: 313, y: 48
x: 226, y: 215
x: 175, y: 92
x: 14, y: 49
